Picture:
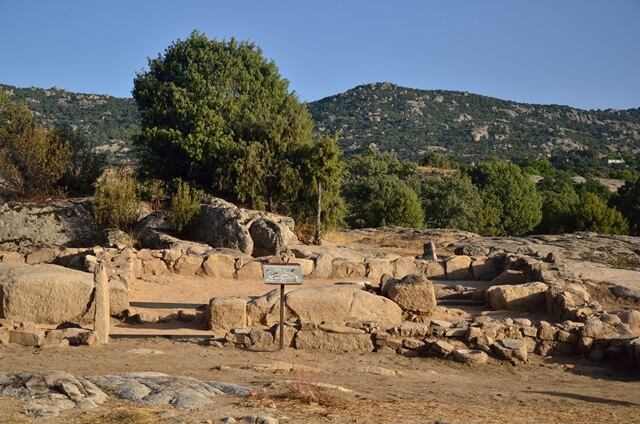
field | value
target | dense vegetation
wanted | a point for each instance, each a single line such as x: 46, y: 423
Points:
x: 409, y: 122
x: 217, y: 117
x: 35, y: 161
x: 230, y: 125
x: 108, y: 122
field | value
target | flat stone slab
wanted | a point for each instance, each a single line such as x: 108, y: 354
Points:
x: 46, y: 394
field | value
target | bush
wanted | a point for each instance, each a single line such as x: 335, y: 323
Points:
x: 185, y: 204
x: 32, y: 159
x: 154, y: 192
x: 117, y: 201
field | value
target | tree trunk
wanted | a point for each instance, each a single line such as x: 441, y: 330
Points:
x: 318, y: 239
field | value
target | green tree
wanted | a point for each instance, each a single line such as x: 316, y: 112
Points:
x: 452, y: 203
x: 84, y: 166
x: 596, y: 187
x: 378, y: 191
x: 439, y: 160
x: 535, y: 166
x: 32, y: 159
x: 594, y: 215
x: 627, y: 201
x: 218, y: 114
x: 559, y: 204
x: 514, y: 206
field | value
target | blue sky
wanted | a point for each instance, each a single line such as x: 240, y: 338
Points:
x: 578, y: 52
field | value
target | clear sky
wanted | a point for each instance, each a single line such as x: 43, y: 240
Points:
x: 582, y: 53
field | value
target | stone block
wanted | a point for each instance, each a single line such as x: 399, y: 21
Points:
x: 219, y: 265
x: 459, y: 267
x: 225, y: 313
x: 318, y: 340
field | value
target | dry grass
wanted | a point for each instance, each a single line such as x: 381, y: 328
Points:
x: 128, y: 416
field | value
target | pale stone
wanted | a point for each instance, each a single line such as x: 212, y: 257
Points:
x: 102, y: 309
x: 250, y: 271
x: 219, y: 265
x: 306, y: 265
x: 522, y: 297
x: 470, y: 356
x: 340, y: 302
x: 188, y: 265
x: 510, y: 276
x: 405, y: 265
x: 413, y: 293
x: 376, y: 268
x: 154, y: 266
x: 318, y: 340
x: 432, y: 269
x: 343, y: 268
x: 44, y: 255
x: 225, y: 313
x: 11, y: 257
x: 458, y: 267
x: 484, y: 268
x: 324, y: 266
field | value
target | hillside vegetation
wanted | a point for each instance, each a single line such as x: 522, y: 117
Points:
x: 109, y: 122
x: 468, y: 126
x: 409, y: 122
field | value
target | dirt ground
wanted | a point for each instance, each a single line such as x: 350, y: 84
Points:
x: 423, y: 390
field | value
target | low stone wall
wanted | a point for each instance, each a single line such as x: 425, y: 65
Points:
x: 505, y: 339
x: 29, y: 334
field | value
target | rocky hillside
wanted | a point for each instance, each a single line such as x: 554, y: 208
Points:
x: 109, y: 121
x: 469, y: 126
x: 407, y: 121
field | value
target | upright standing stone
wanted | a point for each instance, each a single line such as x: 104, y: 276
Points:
x: 102, y: 317
x: 429, y: 252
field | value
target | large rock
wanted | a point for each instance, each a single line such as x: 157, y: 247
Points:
x: 318, y: 340
x: 51, y: 294
x: 222, y: 224
x: 413, y: 293
x: 219, y: 265
x: 340, y: 302
x: 344, y: 268
x: 225, y: 313
x: 33, y: 225
x: 521, y: 297
x: 459, y: 268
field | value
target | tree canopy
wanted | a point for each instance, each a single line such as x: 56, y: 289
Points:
x: 514, y: 205
x: 218, y: 114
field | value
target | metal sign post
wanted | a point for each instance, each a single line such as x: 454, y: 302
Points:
x: 282, y: 274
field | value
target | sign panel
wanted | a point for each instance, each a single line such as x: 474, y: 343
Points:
x: 284, y: 273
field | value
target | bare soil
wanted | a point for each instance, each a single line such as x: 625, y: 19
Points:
x: 425, y: 390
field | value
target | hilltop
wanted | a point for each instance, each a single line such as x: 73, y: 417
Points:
x: 470, y: 126
x: 404, y: 120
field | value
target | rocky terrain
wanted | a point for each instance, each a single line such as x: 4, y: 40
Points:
x: 379, y: 308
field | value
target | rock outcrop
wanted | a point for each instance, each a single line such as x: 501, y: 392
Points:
x: 413, y: 293
x: 33, y: 225
x: 51, y: 294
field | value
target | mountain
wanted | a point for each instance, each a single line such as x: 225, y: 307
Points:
x: 109, y: 121
x: 407, y: 121
x: 470, y: 126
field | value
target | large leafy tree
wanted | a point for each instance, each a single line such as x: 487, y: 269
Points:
x: 513, y: 205
x: 379, y: 192
x: 627, y: 201
x: 452, y: 203
x: 559, y: 204
x: 218, y: 114
x: 593, y: 214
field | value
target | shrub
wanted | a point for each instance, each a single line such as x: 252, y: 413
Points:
x: 185, y: 204
x: 117, y: 200
x: 84, y: 166
x: 154, y: 192
x: 32, y: 159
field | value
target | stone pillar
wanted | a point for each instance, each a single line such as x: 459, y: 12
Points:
x: 101, y: 302
x: 429, y: 252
